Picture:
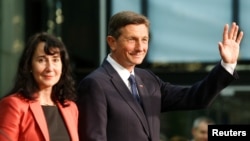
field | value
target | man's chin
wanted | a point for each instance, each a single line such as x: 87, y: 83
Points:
x: 138, y: 62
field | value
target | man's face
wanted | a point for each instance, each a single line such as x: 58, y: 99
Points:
x: 131, y: 47
x: 201, y: 132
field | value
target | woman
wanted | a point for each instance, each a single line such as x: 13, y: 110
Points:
x: 41, y: 107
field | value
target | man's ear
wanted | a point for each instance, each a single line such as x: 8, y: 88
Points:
x: 111, y: 42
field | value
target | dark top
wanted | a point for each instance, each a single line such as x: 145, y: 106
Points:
x: 56, y: 125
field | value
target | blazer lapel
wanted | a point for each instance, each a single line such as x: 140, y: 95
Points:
x: 37, y: 111
x: 69, y: 121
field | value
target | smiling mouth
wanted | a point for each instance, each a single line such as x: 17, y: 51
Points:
x: 137, y: 55
x: 47, y: 77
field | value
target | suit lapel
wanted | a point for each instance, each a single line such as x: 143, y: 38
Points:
x: 125, y: 93
x: 38, y: 113
x: 145, y: 97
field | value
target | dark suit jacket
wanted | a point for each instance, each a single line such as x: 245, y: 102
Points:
x: 108, y: 112
x: 23, y: 120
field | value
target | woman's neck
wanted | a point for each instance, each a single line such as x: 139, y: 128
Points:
x: 44, y: 97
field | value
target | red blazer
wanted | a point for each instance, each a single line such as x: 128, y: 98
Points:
x: 23, y: 120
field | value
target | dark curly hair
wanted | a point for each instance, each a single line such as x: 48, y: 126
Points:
x: 25, y: 83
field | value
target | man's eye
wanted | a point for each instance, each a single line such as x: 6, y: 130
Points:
x: 145, y: 40
x: 131, y: 40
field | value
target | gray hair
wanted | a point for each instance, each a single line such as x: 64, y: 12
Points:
x: 198, y: 120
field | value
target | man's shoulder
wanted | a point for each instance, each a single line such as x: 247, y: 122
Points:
x: 143, y: 72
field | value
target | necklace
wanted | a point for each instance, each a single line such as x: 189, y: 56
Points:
x: 47, y: 104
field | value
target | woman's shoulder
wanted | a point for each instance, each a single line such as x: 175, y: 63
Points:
x: 68, y: 104
x: 14, y: 99
x: 14, y: 103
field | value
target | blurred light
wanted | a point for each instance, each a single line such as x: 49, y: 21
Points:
x: 16, y: 19
x: 51, y: 24
x: 17, y: 46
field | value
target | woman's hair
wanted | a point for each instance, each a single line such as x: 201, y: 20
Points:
x: 25, y: 83
x: 124, y: 18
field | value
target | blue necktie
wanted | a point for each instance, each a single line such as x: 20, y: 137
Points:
x: 134, y: 88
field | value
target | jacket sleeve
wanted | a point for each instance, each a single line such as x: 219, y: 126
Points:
x: 92, y: 111
x: 200, y: 95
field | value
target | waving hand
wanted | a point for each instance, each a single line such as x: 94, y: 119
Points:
x: 230, y: 46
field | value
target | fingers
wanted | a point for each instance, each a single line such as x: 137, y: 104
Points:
x: 225, y: 33
x: 220, y: 45
x: 240, y: 36
x: 233, y: 34
x: 233, y: 31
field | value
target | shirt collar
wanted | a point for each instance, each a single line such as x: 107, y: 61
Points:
x: 123, y: 72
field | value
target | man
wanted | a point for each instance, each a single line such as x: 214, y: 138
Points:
x: 107, y: 108
x: 200, y: 128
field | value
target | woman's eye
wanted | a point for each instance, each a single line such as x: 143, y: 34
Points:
x: 40, y: 60
x: 56, y: 60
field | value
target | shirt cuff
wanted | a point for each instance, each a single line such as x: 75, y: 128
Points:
x: 229, y: 67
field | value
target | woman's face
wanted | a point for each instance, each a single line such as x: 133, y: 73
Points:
x: 46, y: 69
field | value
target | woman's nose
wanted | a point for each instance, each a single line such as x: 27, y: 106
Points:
x: 49, y: 65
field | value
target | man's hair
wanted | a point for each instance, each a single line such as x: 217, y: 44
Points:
x: 124, y: 18
x: 198, y: 120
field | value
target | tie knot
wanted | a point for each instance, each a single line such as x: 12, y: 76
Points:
x: 131, y: 79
